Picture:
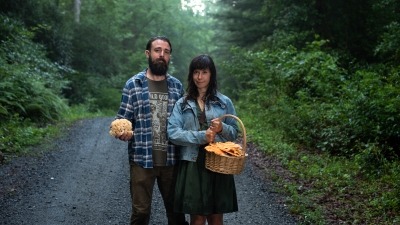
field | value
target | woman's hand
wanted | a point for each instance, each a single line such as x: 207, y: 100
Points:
x: 210, y: 135
x: 216, y: 125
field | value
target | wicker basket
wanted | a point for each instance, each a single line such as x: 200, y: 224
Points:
x: 227, y: 164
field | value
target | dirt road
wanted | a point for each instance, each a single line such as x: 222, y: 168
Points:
x: 82, y: 178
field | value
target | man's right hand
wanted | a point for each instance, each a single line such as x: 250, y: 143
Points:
x: 125, y: 136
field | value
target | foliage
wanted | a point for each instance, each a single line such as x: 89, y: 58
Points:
x: 47, y: 20
x: 346, y: 120
x: 30, y: 83
x: 97, y: 39
x: 249, y: 22
x: 110, y: 37
x: 317, y: 103
x: 24, y: 134
x: 322, y: 188
x: 353, y: 28
x: 373, y: 108
x: 388, y: 48
x: 18, y: 134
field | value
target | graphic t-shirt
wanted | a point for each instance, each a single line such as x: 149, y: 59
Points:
x: 158, y: 103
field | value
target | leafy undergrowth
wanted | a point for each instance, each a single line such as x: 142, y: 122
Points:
x: 322, y: 189
x: 18, y: 134
x: 320, y: 192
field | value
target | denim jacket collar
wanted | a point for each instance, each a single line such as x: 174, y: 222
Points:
x: 219, y: 101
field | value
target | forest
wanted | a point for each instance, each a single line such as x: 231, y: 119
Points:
x: 316, y: 83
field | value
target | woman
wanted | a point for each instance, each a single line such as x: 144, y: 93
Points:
x: 194, y: 123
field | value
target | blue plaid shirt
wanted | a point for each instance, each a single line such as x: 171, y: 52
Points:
x: 135, y: 106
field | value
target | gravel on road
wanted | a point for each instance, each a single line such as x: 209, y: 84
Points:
x: 82, y: 177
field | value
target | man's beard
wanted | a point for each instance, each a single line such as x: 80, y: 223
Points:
x: 158, y: 67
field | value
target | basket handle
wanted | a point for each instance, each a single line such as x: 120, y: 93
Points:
x: 243, y: 129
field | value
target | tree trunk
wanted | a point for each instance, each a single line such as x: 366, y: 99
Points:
x: 77, y: 10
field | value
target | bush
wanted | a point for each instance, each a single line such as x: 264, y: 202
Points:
x: 17, y: 134
x: 374, y: 107
x: 97, y: 92
x: 318, y: 104
x: 30, y: 84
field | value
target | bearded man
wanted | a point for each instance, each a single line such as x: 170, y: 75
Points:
x: 147, y: 101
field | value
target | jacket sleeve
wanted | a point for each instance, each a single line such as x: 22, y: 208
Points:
x: 229, y: 125
x: 180, y: 136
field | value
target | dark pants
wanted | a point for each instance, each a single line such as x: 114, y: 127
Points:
x: 141, y: 187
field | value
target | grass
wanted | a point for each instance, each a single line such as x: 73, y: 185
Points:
x: 324, y: 189
x: 17, y: 135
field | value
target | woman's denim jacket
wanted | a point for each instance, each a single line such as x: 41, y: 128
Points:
x: 183, y: 125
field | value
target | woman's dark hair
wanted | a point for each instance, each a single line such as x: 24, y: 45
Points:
x: 148, y: 46
x: 198, y: 63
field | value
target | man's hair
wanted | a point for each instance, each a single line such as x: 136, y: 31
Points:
x: 148, y: 46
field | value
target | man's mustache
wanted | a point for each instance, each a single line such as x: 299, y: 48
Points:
x: 161, y: 60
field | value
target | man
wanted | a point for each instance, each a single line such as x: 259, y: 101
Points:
x: 147, y: 101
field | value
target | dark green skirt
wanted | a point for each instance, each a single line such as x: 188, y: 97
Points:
x: 202, y: 192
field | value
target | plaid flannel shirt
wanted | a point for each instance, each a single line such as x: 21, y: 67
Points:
x: 135, y: 106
